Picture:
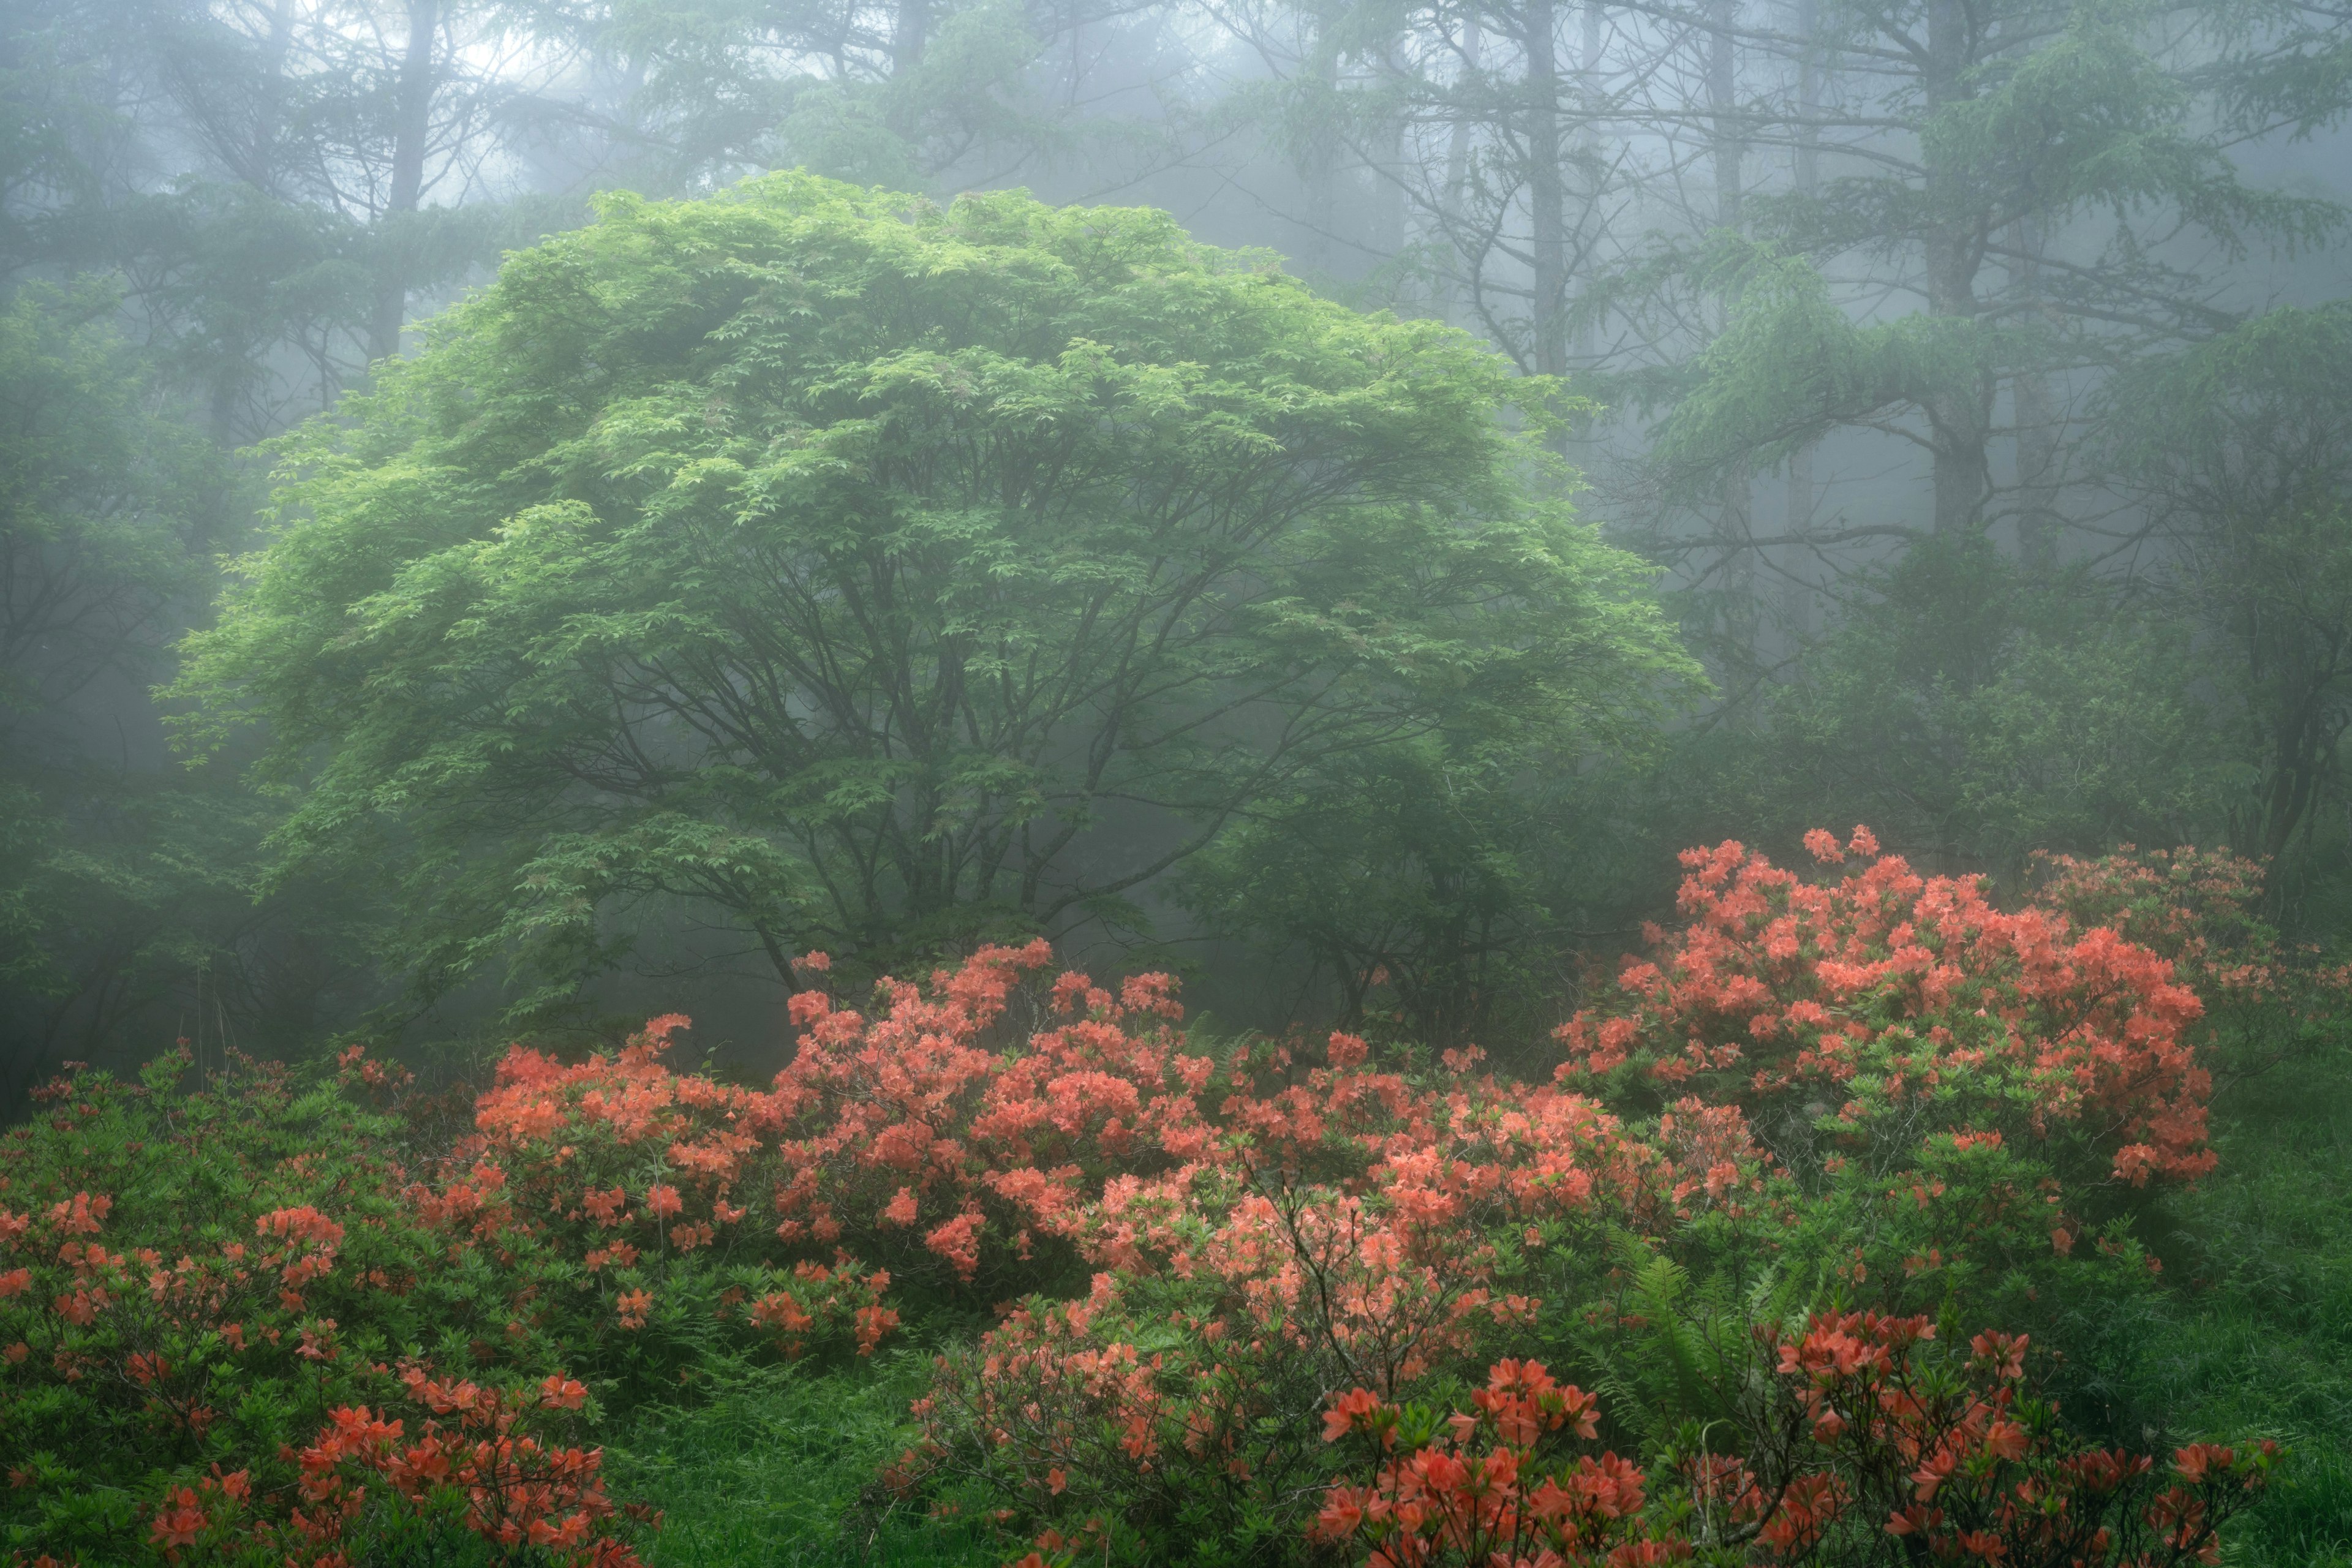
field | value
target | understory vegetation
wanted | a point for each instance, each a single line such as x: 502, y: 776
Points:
x: 1839, y: 1234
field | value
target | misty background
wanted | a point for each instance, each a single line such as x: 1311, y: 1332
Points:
x: 1976, y: 377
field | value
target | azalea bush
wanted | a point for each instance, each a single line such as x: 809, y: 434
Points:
x: 300, y: 1314
x: 1880, y: 1003
x: 229, y: 1330
x: 2266, y: 999
x: 1868, y: 1084
x: 1859, y: 1442
x: 1960, y: 1094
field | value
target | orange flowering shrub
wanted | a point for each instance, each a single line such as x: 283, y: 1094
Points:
x: 1490, y: 1485
x: 907, y: 1134
x: 1880, y: 1001
x: 1874, y: 1084
x: 204, y: 1299
x: 480, y: 1448
x: 1980, y: 1071
x: 476, y: 1454
x: 1855, y: 1444
x: 2202, y: 909
x: 631, y: 1171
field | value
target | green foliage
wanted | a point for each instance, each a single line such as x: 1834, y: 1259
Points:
x: 1435, y: 888
x: 2256, y: 1337
x: 1972, y: 710
x: 148, y: 1209
x: 778, y: 1467
x: 842, y: 568
x: 2242, y: 449
x: 118, y: 883
x: 105, y: 509
x: 1791, y: 365
x: 218, y: 1275
x: 1975, y: 710
x: 892, y: 100
x: 2022, y: 123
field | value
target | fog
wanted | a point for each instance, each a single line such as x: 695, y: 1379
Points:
x: 1964, y: 376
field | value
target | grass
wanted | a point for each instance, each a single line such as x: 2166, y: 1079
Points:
x: 773, y: 1471
x: 2256, y: 1338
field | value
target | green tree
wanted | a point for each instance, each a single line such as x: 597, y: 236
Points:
x: 861, y: 573
x: 1970, y: 712
x: 1441, y: 887
x: 2017, y: 175
x: 2240, y: 449
x: 115, y: 881
x: 104, y: 510
x: 915, y: 94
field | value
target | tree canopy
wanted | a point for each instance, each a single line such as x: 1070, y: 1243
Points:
x: 839, y: 565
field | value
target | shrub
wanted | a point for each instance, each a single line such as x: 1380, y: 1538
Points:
x: 1897, y: 1002
x: 1857, y: 1443
x: 1348, y: 1228
x: 1262, y: 1227
x: 2202, y: 909
x: 226, y: 1328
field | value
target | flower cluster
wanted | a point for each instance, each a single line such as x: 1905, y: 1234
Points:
x: 1864, y: 1446
x: 516, y: 1487
x: 1878, y: 994
x: 188, y: 1280
x: 1489, y: 1485
x: 2202, y: 909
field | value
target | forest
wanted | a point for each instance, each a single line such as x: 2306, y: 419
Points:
x: 1227, y: 783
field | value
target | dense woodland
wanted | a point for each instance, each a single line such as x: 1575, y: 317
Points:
x: 1681, y: 668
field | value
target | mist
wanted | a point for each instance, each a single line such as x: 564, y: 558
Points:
x: 1920, y: 358
x: 1195, y: 783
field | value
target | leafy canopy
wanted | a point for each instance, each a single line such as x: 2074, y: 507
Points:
x: 839, y: 565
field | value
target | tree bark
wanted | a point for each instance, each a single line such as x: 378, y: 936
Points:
x: 1797, y: 606
x: 1457, y: 175
x: 1588, y: 105
x: 1742, y: 622
x: 1319, y: 168
x: 1958, y: 411
x: 2036, y: 410
x: 909, y: 35
x: 412, y: 125
x: 1547, y: 207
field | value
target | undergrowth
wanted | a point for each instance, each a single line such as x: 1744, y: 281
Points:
x: 2257, y: 1338
x: 778, y: 1469
x: 2252, y: 1337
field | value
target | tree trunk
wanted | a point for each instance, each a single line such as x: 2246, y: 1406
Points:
x: 1725, y: 145
x: 1742, y: 621
x: 1546, y: 209
x: 2036, y: 410
x: 1385, y: 234
x: 1959, y: 412
x: 411, y: 124
x: 910, y: 34
x: 1319, y: 166
x: 1797, y: 607
x: 1457, y: 175
x: 1589, y: 104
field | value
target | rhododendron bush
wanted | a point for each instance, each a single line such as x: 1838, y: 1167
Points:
x: 1855, y: 1443
x: 1879, y: 1001
x: 2202, y: 909
x: 1858, y: 1084
x: 227, y: 1332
